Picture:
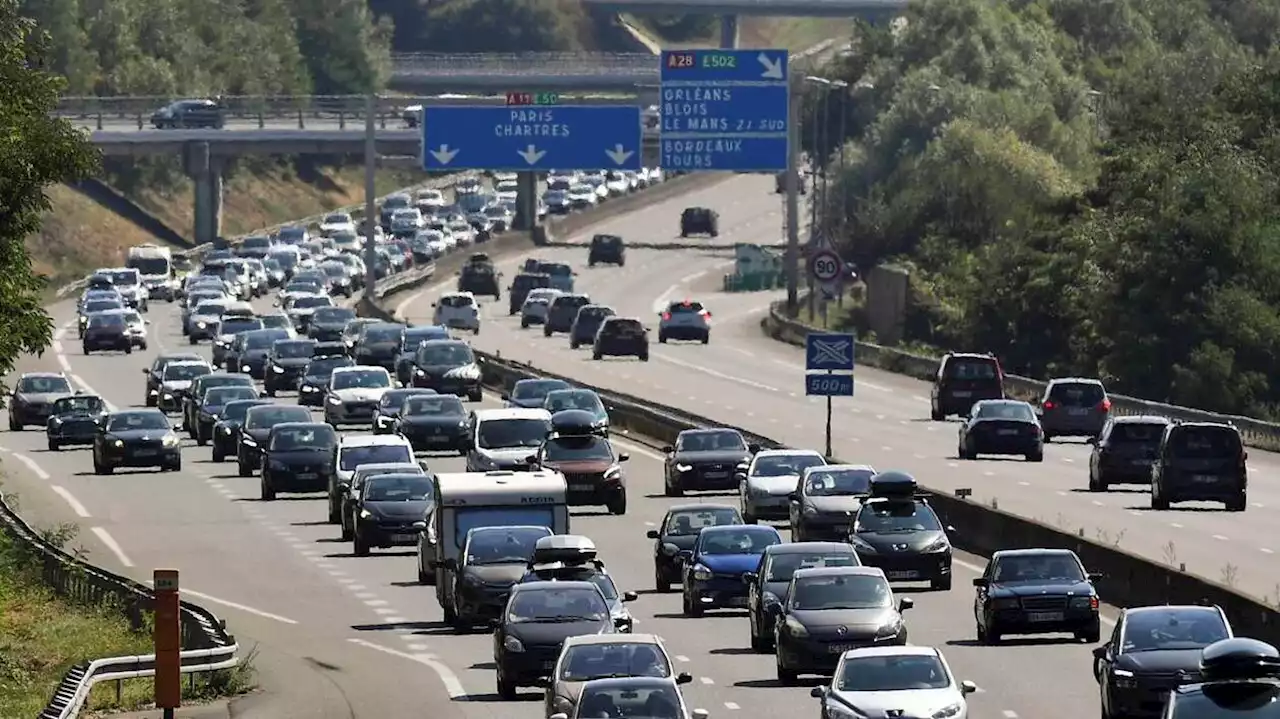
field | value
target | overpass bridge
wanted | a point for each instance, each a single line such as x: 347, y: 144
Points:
x: 498, y: 72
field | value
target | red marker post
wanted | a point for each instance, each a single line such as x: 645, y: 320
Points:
x: 168, y: 641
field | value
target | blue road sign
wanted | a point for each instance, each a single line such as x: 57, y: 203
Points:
x: 828, y: 351
x: 828, y: 385
x: 724, y: 110
x: 529, y: 137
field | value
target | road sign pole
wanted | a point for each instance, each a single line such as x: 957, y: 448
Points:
x: 829, y: 452
x: 370, y: 193
x: 793, y: 199
x: 167, y: 636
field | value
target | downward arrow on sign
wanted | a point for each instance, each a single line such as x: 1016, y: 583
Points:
x: 772, y: 67
x: 444, y: 155
x: 531, y: 154
x: 618, y: 154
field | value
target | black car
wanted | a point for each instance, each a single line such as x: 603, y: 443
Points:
x: 387, y: 413
x: 74, y: 420
x: 33, y: 397
x: 315, y: 378
x: 1036, y: 591
x: 1200, y: 461
x: 1239, y: 678
x: 190, y: 114
x: 521, y: 286
x: 448, y: 367
x: 345, y: 495
x: 249, y: 351
x: 226, y: 432
x: 607, y: 250
x: 286, y: 363
x: 492, y: 561
x: 379, y: 345
x: 538, y: 617
x: 327, y: 323
x: 106, y: 331
x: 176, y: 383
x: 963, y: 379
x: 351, y: 333
x: 297, y: 458
x: 1148, y: 650
x: 564, y: 309
x: 413, y: 338
x: 435, y: 423
x: 193, y: 397
x: 827, y: 497
x: 212, y: 404
x: 677, y: 533
x: 1001, y: 426
x: 390, y: 510
x: 1126, y: 451
x: 256, y: 429
x: 705, y: 459
x: 586, y: 323
x: 699, y: 221
x: 621, y: 337
x: 480, y: 278
x: 898, y: 531
x: 532, y: 393
x: 155, y: 373
x: 136, y: 438
x: 339, y: 278
x: 830, y: 610
x: 770, y: 583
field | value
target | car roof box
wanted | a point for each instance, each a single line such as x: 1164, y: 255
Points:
x: 567, y: 548
x: 894, y: 484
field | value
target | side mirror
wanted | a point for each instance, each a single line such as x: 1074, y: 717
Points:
x: 794, y: 496
x: 684, y: 678
x: 1094, y: 576
x: 146, y: 370
x: 817, y: 692
x: 652, y: 534
x: 668, y: 449
x: 1092, y: 440
x: 749, y: 577
x: 624, y: 457
x: 1100, y: 652
x: 622, y: 622
x: 505, y: 397
x: 433, y: 304
x: 980, y: 581
x: 542, y: 682
x: 968, y: 687
x: 531, y: 459
x: 906, y: 603
x: 420, y: 526
x: 740, y: 476
x: 451, y: 564
x: 753, y: 448
x: 630, y: 596
x: 773, y: 610
x: 699, y: 714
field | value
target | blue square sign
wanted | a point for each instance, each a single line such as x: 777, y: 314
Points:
x: 828, y: 385
x: 531, y: 137
x: 828, y: 351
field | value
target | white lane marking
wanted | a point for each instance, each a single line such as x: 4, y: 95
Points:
x: 238, y: 606
x: 87, y: 388
x: 376, y: 602
x: 1009, y: 714
x: 400, y: 308
x: 1219, y: 537
x: 731, y: 706
x: 447, y: 677
x: 681, y: 658
x: 713, y: 373
x: 706, y: 680
x: 1175, y: 525
x: 110, y: 543
x: 384, y: 611
x: 661, y: 300
x: 395, y: 620
x: 63, y: 363
x: 1265, y: 550
x: 414, y: 646
x: 31, y: 465
x: 71, y: 501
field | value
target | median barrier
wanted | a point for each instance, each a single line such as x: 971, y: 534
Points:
x: 1255, y: 432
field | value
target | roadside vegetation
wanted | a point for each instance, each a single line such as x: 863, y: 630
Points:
x: 1081, y: 188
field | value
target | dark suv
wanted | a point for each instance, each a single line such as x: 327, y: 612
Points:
x: 522, y: 285
x: 1073, y: 407
x: 964, y: 378
x: 564, y: 309
x: 480, y: 278
x: 699, y: 221
x: 1126, y: 451
x: 587, y: 323
x: 621, y: 337
x: 607, y: 250
x: 1200, y: 461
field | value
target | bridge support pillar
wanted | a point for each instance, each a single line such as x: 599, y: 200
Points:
x: 206, y: 172
x: 526, y: 201
x: 728, y: 31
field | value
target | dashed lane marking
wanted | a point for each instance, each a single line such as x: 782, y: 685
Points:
x: 71, y: 501
x: 450, y: 680
x: 706, y: 680
x: 35, y: 468
x: 238, y: 607
x: 112, y: 545
x: 1220, y: 538
x: 731, y: 706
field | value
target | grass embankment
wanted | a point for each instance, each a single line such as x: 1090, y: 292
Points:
x: 42, y: 636
x: 793, y: 33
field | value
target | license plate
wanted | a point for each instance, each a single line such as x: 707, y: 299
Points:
x: 840, y: 648
x: 1007, y: 432
x: 439, y: 440
x: 716, y: 475
x: 904, y: 574
x: 1078, y: 411
x: 404, y: 537
x: 1143, y: 462
x: 961, y: 393
x: 1205, y: 479
x: 145, y: 453
x: 306, y: 475
x: 737, y: 602
x: 581, y: 487
x: 1045, y: 617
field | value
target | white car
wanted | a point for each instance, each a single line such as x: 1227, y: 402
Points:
x: 583, y: 196
x: 430, y: 199
x: 457, y: 311
x: 135, y: 328
x: 436, y: 242
x: 358, y: 450
x: 507, y: 190
x: 504, y: 439
x: 765, y: 491
x: 347, y: 242
x: 617, y: 184
x: 500, y: 176
x: 536, y: 305
x: 354, y: 393
x: 462, y: 232
x: 337, y: 222
x: 894, y: 681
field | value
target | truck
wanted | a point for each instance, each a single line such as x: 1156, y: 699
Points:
x: 155, y: 264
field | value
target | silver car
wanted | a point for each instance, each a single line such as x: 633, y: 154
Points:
x: 766, y: 487
x: 685, y: 320
x: 911, y: 681
x: 1073, y: 407
x: 536, y: 306
x: 354, y: 394
x: 589, y: 657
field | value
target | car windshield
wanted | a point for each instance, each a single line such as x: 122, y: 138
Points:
x: 578, y: 449
x: 236, y: 411
x: 846, y: 591
x: 337, y: 219
x: 783, y: 565
x: 301, y: 288
x: 416, y: 336
x: 1137, y: 432
x: 351, y: 457
x: 1005, y: 410
x: 446, y: 355
x: 271, y: 415
x: 234, y: 326
x: 715, y: 441
x: 892, y: 673
x: 1204, y: 442
x: 838, y: 483
x: 86, y: 403
x: 375, y: 335
x: 785, y: 465
x: 334, y: 269
x: 1154, y: 630
x: 293, y: 349
x: 185, y: 372
x: 365, y: 378
x: 650, y: 700
x: 886, y: 517
x: 398, y: 488
x: 102, y: 306
x: 1037, y: 568
x: 738, y: 541
x: 971, y: 369
x: 435, y: 406
x: 688, y: 522
x: 124, y: 278
x: 292, y: 439
x: 113, y: 319
x: 324, y: 366
x: 502, y: 433
x: 503, y: 545
x: 44, y: 385
x: 262, y: 339
x: 566, y: 399
x: 1077, y: 394
x: 550, y: 604
x: 585, y: 662
x: 309, y: 301
x: 217, y: 396
x: 137, y: 421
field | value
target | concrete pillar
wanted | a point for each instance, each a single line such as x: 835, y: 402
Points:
x: 728, y: 32
x: 526, y: 201
x: 206, y: 172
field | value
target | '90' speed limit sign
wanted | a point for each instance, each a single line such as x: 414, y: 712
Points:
x: 825, y: 266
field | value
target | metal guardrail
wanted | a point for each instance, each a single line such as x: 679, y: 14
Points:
x: 206, y: 644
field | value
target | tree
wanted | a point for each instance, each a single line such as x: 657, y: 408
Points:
x: 38, y: 150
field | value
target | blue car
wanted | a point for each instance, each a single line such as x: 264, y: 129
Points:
x: 713, y: 570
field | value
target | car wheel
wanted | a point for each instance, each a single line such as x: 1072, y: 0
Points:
x: 1097, y: 484
x: 1036, y: 456
x: 334, y: 516
x: 618, y: 506
x: 218, y: 456
x: 54, y: 446
x: 573, y: 344
x: 268, y: 493
x: 690, y: 607
x: 595, y: 355
x: 524, y: 323
x: 662, y: 338
x: 151, y: 401
x: 673, y: 490
x: 786, y: 676
x: 644, y: 357
x: 242, y: 469
x: 546, y: 330
x: 359, y: 546
x: 941, y: 584
x: 706, y: 337
x: 660, y: 583
x: 14, y: 424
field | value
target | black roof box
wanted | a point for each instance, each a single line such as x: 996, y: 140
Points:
x: 573, y: 423
x: 893, y: 484
x: 1239, y: 658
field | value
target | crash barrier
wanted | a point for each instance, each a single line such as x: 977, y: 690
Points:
x: 754, y: 281
x: 206, y: 645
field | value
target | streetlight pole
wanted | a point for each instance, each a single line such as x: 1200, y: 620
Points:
x: 817, y: 162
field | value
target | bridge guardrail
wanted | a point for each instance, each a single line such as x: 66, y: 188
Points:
x: 640, y: 64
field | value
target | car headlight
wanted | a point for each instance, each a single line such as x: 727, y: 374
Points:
x: 1089, y: 602
x: 1123, y: 678
x: 202, y: 325
x: 939, y: 545
x: 890, y: 629
x: 684, y: 468
x: 949, y: 710
x: 226, y: 431
x: 278, y: 466
x: 248, y: 441
x: 168, y: 397
x: 701, y: 573
x: 420, y: 373
x: 55, y: 421
x: 366, y: 514
x: 613, y: 473
x: 335, y: 401
x: 277, y: 369
x: 861, y: 545
x: 512, y: 644
x: 307, y: 388
x: 118, y: 444
x: 152, y: 393
x: 170, y: 440
x: 795, y: 628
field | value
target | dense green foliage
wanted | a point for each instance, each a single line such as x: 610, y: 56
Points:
x: 37, y: 150
x: 465, y: 26
x: 1080, y: 187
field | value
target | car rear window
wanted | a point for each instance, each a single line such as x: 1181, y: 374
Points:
x: 1204, y: 442
x: 1077, y: 394
x: 571, y: 301
x: 971, y: 368
x: 1137, y: 433
x: 685, y: 307
x: 456, y: 301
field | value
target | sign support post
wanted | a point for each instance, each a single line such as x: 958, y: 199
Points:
x: 829, y: 366
x: 167, y: 636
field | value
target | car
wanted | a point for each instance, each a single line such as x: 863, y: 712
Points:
x: 780, y: 183
x: 457, y: 310
x: 387, y: 510
x: 155, y: 373
x: 227, y: 431
x: 493, y: 560
x: 1200, y: 461
x: 826, y: 498
x: 106, y: 331
x: 480, y: 278
x: 579, y: 399
x: 897, y: 530
x: 916, y: 681
x: 1126, y: 451
x: 190, y: 114
x: 821, y: 601
x: 136, y: 438
x: 713, y: 569
x: 328, y: 323
x: 249, y: 351
x: 1036, y: 591
x: 562, y: 311
x: 678, y: 531
x: 766, y: 485
x: 256, y: 426
x: 410, y: 340
x: 314, y: 384
x: 211, y: 406
x: 354, y: 393
x: 621, y: 337
x: 532, y: 393
x: 193, y: 398
x: 684, y: 320
x: 448, y: 367
x: 387, y: 413
x: 538, y: 618
x: 560, y: 275
x: 636, y: 696
x: 232, y: 323
x: 1150, y: 646
x: 1073, y: 407
x: 74, y: 420
x: 378, y: 345
x: 964, y: 378
x: 297, y: 458
x: 504, y: 439
x: 591, y: 467
x: 135, y: 328
x: 536, y: 306
x: 204, y: 320
x: 1001, y: 426
x: 175, y: 381
x: 33, y: 396
x: 699, y: 221
x: 1238, y: 678
x: 285, y: 364
x: 705, y: 459
x: 769, y: 583
x: 302, y: 309
x: 607, y: 250
x: 586, y: 324
x: 96, y: 308
x: 522, y: 285
x: 350, y: 493
x: 359, y: 449
x: 586, y: 658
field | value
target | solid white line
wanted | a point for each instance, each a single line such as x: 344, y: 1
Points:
x: 31, y: 465
x: 110, y: 543
x: 71, y: 501
x: 400, y: 308
x: 731, y: 706
x: 661, y: 300
x: 240, y: 607
x: 450, y: 680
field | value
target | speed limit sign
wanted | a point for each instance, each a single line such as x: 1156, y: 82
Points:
x: 825, y: 266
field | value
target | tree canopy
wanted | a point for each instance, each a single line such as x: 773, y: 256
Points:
x: 1081, y: 187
